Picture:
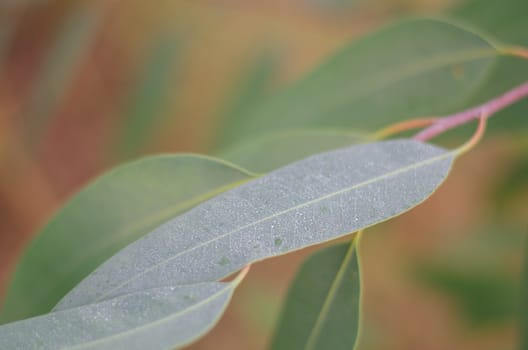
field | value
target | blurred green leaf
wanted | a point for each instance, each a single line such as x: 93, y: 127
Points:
x: 323, y: 303
x: 250, y: 90
x: 259, y: 306
x: 145, y: 107
x: 111, y: 212
x: 274, y: 150
x: 477, y: 274
x: 483, y: 297
x: 413, y: 68
x: 514, y: 182
x: 504, y: 19
x: 507, y: 73
x: 74, y: 38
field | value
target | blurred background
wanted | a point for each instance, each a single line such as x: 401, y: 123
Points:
x: 87, y: 85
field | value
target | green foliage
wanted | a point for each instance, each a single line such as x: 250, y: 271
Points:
x: 164, y: 230
x: 274, y: 150
x: 340, y: 192
x: 103, y: 218
x: 505, y: 20
x: 479, y: 274
x: 251, y: 90
x: 514, y: 183
x: 147, y: 101
x: 322, y: 307
x: 483, y: 297
x: 395, y: 74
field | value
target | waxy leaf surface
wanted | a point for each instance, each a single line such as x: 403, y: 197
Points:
x: 158, y: 318
x: 308, y: 202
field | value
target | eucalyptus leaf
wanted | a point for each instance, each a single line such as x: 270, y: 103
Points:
x: 322, y: 306
x: 159, y: 318
x: 104, y: 217
x: 409, y: 69
x: 274, y: 150
x: 308, y: 202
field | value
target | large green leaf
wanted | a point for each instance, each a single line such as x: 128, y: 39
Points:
x: 113, y: 211
x: 322, y: 306
x: 274, y: 150
x: 159, y: 318
x: 308, y: 202
x: 413, y: 68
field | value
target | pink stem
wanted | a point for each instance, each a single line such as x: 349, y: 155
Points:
x: 488, y: 109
